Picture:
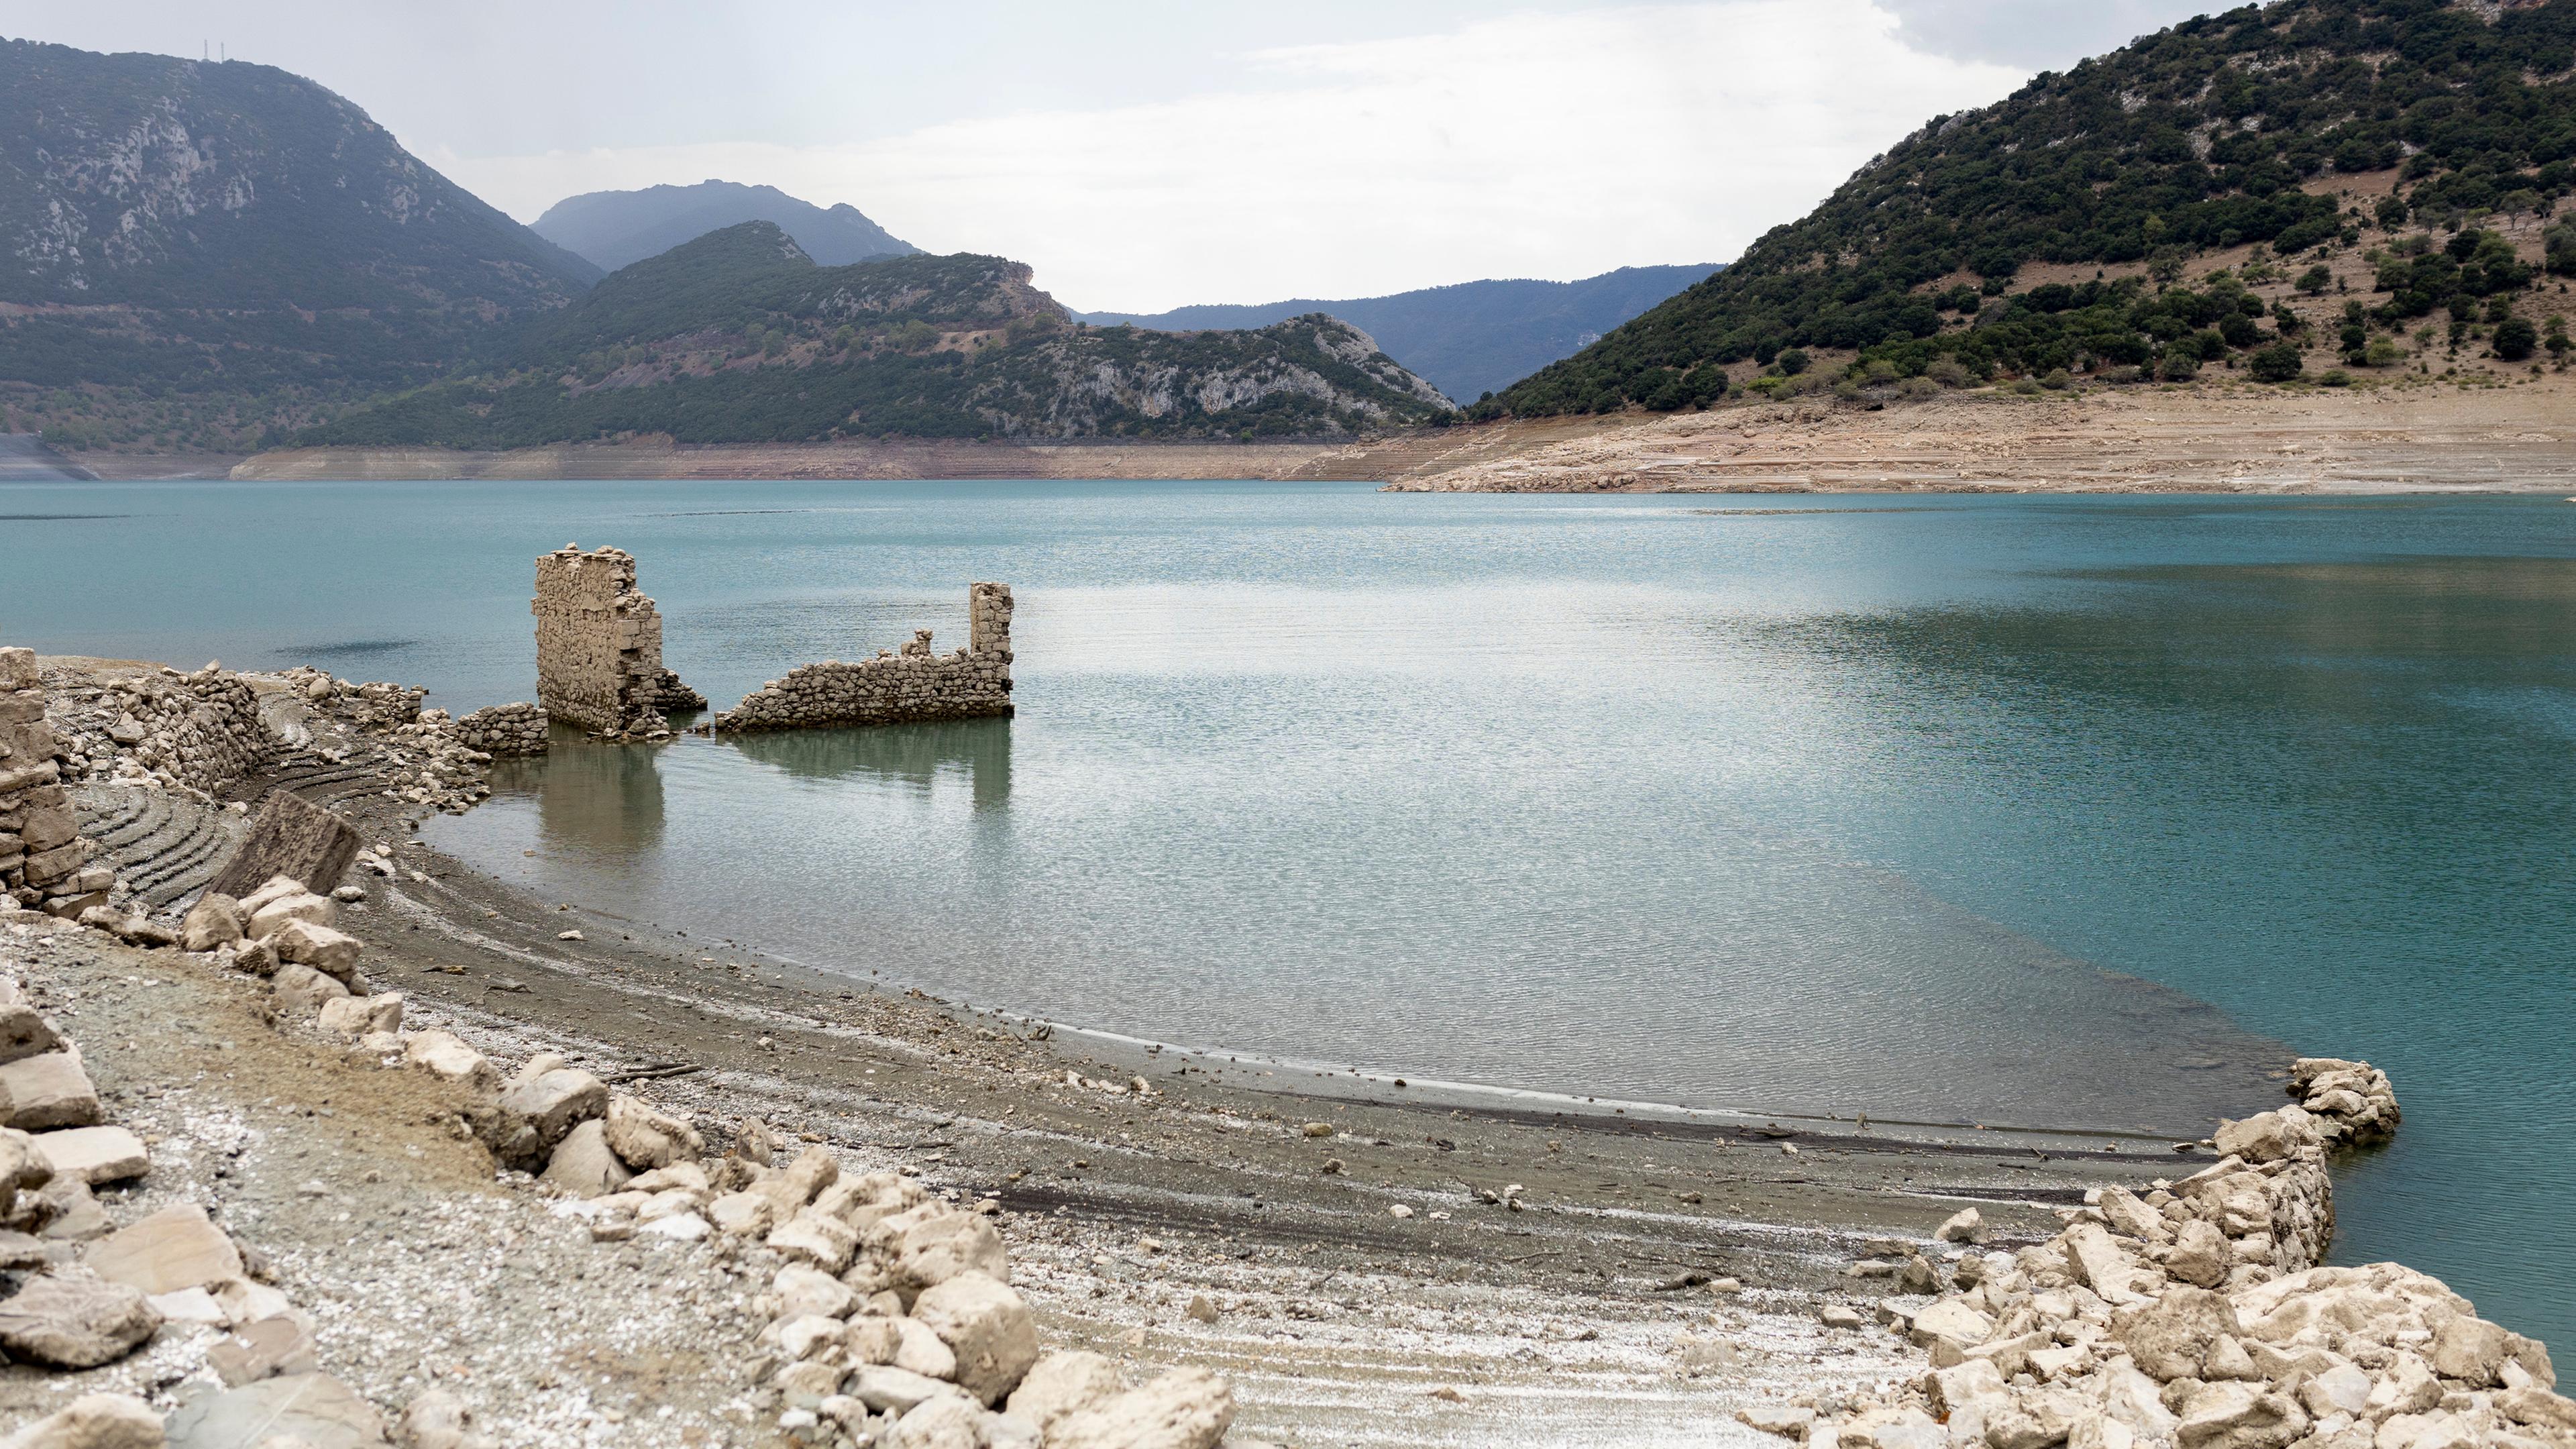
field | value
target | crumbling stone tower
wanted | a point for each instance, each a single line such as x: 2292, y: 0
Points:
x: 599, y: 644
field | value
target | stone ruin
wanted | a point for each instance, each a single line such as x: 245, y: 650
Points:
x: 599, y: 645
x: 45, y: 862
x: 896, y: 686
x: 599, y: 666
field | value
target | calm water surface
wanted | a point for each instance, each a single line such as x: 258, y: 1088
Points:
x: 2049, y: 811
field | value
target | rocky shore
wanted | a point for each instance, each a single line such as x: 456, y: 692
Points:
x: 498, y: 1167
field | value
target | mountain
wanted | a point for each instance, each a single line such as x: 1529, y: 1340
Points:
x: 200, y: 252
x: 1979, y: 237
x: 740, y: 337
x: 618, y: 228
x: 1467, y: 339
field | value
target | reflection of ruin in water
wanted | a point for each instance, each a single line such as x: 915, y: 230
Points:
x: 591, y: 798
x: 911, y: 754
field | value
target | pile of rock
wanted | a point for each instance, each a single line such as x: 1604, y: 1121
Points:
x: 2195, y: 1315
x: 891, y: 1316
x: 88, y: 1294
x: 200, y: 730
x: 893, y: 687
x: 504, y: 730
x: 892, y: 1319
x: 373, y: 705
x: 44, y: 861
x: 2352, y: 1101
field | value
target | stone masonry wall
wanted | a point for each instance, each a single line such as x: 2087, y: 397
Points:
x: 44, y: 861
x: 200, y: 730
x: 599, y: 644
x: 517, y: 728
x: 895, y: 687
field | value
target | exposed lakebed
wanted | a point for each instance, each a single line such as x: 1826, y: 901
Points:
x: 1949, y: 810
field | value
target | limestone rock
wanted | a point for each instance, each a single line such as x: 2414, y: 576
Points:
x: 215, y: 920
x: 177, y: 1247
x: 884, y: 1387
x: 1184, y: 1409
x: 1954, y: 1321
x: 922, y: 1351
x: 2199, y: 1255
x: 2539, y: 1408
x: 945, y: 1422
x: 742, y: 1214
x: 826, y: 1242
x: 554, y: 1101
x: 2240, y: 1416
x: 52, y: 1090
x: 649, y: 1139
x: 305, y: 943
x: 271, y: 918
x: 276, y: 888
x: 316, y: 1410
x: 303, y: 990
x: 70, y: 1211
x: 2268, y: 1136
x: 987, y: 1326
x: 933, y: 1243
x: 803, y: 1290
x: 1787, y: 1421
x: 2172, y: 1336
x: 2101, y: 1264
x: 93, y: 1421
x: 445, y: 1056
x: 1065, y: 1383
x: 583, y: 1164
x: 1952, y: 1389
x: 873, y: 1340
x: 1967, y: 1225
x: 72, y: 1318
x: 2471, y: 1350
x: 808, y: 1335
x: 803, y: 1180
x: 24, y: 1032
x: 351, y: 1018
x: 23, y: 1164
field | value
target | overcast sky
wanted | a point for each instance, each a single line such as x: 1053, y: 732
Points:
x: 1151, y: 153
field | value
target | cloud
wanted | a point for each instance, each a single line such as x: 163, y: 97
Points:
x: 1531, y: 145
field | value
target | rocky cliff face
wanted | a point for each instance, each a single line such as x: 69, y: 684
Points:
x: 167, y: 182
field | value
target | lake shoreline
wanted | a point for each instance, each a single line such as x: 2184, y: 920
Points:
x: 1572, y: 1225
x: 2384, y: 437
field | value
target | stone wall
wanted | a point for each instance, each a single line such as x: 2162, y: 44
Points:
x: 599, y: 645
x: 44, y: 861
x: 511, y: 729
x: 200, y: 730
x: 896, y: 686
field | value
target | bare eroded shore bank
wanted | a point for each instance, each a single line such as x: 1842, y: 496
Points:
x: 2391, y: 438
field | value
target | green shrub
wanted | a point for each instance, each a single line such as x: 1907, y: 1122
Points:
x: 2515, y: 338
x: 2279, y: 362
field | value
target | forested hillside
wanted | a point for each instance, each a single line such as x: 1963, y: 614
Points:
x: 2222, y: 131
x: 201, y: 254
x: 740, y: 337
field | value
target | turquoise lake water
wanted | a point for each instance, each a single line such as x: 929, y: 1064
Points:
x: 2048, y: 811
